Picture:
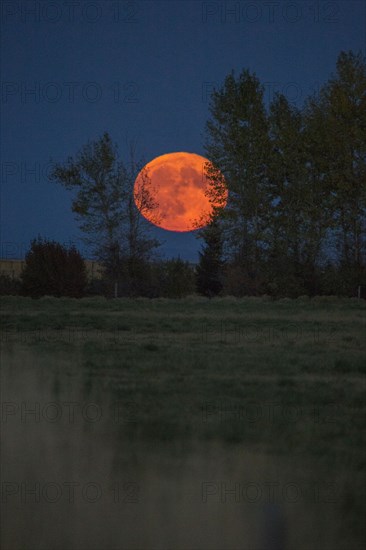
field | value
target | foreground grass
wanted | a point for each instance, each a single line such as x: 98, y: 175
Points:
x: 285, y: 375
x: 275, y: 377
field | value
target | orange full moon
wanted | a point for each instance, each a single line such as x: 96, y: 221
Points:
x: 175, y: 192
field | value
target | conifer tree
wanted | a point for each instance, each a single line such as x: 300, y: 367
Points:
x: 209, y: 271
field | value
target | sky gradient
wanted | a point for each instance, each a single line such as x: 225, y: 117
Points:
x: 142, y: 71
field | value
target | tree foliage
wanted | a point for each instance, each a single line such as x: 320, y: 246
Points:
x: 295, y: 220
x: 337, y: 143
x: 209, y: 271
x: 54, y: 270
x: 107, y: 207
x: 177, y: 278
x: 296, y: 180
x: 238, y: 144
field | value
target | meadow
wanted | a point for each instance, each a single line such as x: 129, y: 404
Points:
x: 188, y: 394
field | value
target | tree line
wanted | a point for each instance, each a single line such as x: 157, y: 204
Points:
x: 294, y: 223
x: 53, y: 269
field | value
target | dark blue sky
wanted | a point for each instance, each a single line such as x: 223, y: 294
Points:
x: 141, y: 70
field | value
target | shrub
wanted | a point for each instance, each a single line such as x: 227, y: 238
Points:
x: 8, y: 285
x: 177, y: 279
x: 240, y: 282
x: 54, y: 270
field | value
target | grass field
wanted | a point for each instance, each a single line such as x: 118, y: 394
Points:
x: 281, y: 381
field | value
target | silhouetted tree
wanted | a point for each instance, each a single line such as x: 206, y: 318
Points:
x: 237, y: 142
x: 105, y: 205
x: 54, y: 270
x: 338, y: 122
x: 9, y: 286
x: 296, y: 180
x: 209, y: 271
x: 177, y: 279
x: 299, y: 215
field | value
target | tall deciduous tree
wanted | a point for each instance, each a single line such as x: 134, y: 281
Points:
x: 296, y: 180
x: 337, y: 119
x: 238, y: 144
x: 300, y: 206
x: 287, y: 173
x: 105, y: 205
